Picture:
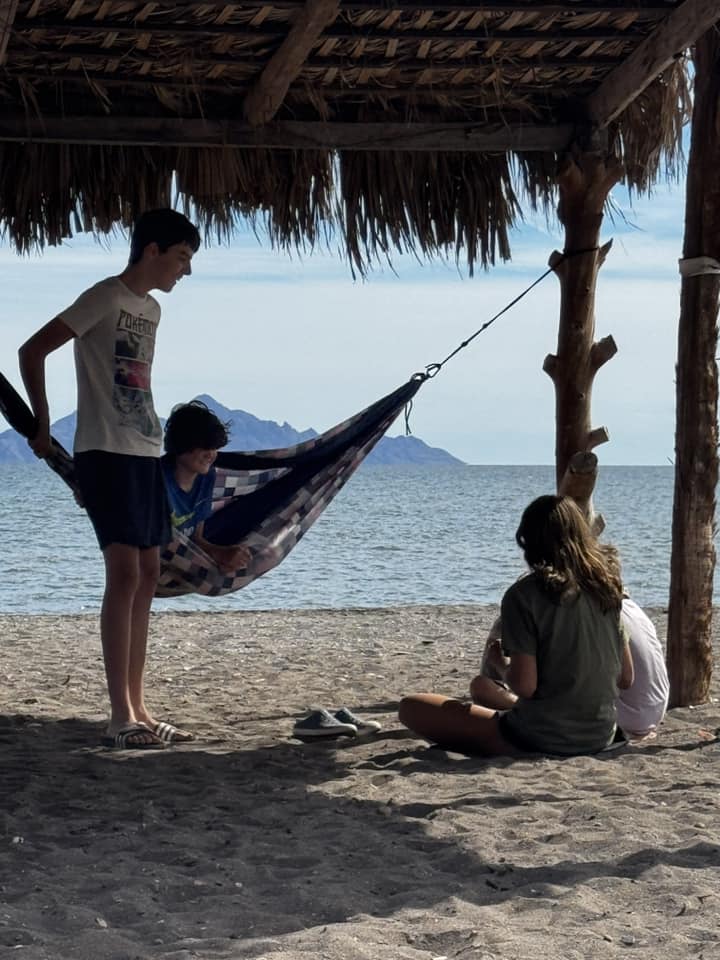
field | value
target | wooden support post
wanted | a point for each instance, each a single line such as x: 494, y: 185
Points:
x: 692, y: 564
x: 585, y: 181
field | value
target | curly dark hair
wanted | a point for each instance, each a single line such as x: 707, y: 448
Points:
x: 193, y: 426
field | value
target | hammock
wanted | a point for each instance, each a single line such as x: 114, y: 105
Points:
x: 285, y: 490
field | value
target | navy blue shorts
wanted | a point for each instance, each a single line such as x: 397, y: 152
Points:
x: 520, y: 743
x: 125, y: 498
x: 513, y: 738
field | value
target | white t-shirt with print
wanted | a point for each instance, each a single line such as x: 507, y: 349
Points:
x: 114, y: 346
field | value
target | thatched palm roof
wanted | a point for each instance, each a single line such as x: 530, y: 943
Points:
x: 408, y: 124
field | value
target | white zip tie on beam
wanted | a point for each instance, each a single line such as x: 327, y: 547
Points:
x: 698, y: 266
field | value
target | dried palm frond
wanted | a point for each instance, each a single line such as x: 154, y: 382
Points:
x: 396, y: 63
x: 649, y: 132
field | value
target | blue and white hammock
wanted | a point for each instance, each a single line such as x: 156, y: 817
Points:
x: 285, y: 490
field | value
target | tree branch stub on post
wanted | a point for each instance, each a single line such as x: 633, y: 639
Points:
x: 578, y: 482
x: 596, y: 437
x: 601, y: 352
x: 579, y: 478
x: 604, y: 251
x: 550, y: 365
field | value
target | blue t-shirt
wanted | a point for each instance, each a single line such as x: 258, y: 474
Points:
x: 188, y: 508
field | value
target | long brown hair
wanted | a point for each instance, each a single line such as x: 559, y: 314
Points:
x: 561, y: 549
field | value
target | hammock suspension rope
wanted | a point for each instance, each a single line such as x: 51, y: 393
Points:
x: 432, y: 369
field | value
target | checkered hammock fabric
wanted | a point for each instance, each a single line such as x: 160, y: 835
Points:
x: 285, y: 490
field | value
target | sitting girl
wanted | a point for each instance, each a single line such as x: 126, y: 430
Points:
x: 193, y: 435
x: 567, y: 652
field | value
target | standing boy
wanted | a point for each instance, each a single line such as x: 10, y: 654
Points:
x: 118, y: 443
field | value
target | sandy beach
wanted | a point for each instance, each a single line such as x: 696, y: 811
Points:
x: 247, y: 843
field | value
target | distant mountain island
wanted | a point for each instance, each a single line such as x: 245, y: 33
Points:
x: 248, y: 432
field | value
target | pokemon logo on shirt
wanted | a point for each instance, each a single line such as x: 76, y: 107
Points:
x: 132, y: 397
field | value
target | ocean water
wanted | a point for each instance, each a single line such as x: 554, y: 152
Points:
x: 394, y: 535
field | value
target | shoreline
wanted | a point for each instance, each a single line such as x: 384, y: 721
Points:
x: 657, y: 612
x: 249, y: 844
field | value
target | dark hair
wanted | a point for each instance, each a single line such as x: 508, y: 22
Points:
x: 165, y: 227
x: 193, y: 426
x: 561, y: 549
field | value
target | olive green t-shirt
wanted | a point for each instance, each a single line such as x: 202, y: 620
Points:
x: 578, y: 650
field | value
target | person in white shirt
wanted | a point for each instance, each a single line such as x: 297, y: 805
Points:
x: 641, y: 708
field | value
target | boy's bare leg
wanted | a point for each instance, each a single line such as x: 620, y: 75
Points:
x: 149, y: 572
x: 122, y: 578
x: 457, y: 725
x: 490, y: 693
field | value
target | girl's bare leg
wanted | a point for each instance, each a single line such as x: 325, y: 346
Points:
x: 451, y: 723
x: 489, y: 693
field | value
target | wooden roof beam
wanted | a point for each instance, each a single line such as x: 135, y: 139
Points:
x: 8, y: 10
x: 342, y: 31
x: 293, y: 135
x: 678, y: 31
x: 230, y: 91
x: 653, y: 8
x: 266, y: 97
x: 131, y: 59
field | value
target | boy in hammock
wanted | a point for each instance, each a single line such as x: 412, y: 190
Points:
x: 117, y: 446
x: 193, y: 436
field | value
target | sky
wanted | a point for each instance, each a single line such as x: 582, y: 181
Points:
x: 297, y: 339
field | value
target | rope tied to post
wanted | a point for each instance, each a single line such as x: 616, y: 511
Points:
x: 432, y: 369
